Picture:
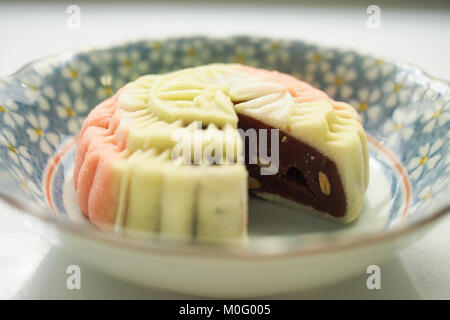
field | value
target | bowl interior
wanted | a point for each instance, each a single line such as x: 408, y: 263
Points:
x: 405, y: 113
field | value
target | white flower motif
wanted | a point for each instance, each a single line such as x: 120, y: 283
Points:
x: 428, y: 191
x: 373, y: 68
x: 77, y: 72
x: 101, y: 58
x: 38, y: 134
x: 131, y: 66
x: 26, y: 183
x: 245, y: 54
x: 10, y: 115
x: 437, y: 114
x: 108, y: 85
x: 276, y: 51
x: 400, y: 127
x: 425, y: 194
x: 167, y: 62
x: 155, y: 45
x: 317, y: 60
x: 428, y: 157
x: 18, y: 154
x: 45, y: 67
x: 339, y: 82
x: 193, y: 54
x: 5, y: 82
x: 162, y: 53
x: 366, y: 104
x: 397, y: 92
x: 75, y: 112
x: 36, y: 91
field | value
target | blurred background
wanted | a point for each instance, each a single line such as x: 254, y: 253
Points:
x: 415, y: 31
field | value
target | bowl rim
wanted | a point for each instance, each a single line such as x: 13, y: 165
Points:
x: 285, y: 246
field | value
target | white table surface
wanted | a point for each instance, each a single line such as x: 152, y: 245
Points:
x: 31, y: 268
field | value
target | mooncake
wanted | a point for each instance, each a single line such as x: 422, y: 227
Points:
x: 174, y: 155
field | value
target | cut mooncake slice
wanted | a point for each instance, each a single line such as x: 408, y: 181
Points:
x: 171, y: 154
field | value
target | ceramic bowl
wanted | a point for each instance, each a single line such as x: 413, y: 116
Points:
x: 406, y: 115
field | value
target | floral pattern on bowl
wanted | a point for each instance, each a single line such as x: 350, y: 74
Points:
x: 44, y: 103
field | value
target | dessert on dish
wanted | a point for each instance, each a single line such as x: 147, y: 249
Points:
x: 134, y: 169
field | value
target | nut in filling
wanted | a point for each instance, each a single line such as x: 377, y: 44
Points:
x: 253, y: 183
x: 325, y: 186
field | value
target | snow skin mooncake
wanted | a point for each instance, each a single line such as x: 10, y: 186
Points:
x: 135, y: 169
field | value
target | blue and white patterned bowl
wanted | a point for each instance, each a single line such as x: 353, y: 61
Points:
x: 405, y: 112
